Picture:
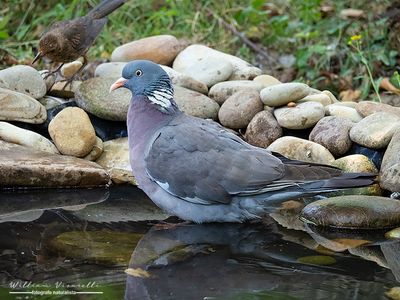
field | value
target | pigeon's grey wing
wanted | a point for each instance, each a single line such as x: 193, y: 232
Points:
x: 201, y: 162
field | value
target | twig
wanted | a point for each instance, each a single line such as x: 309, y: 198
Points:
x: 256, y: 48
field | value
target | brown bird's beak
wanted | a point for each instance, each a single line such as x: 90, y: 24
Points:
x: 120, y: 82
x: 39, y: 55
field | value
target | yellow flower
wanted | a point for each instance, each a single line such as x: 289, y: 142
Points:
x: 356, y: 37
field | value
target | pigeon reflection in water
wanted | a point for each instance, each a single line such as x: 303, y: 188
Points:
x: 223, y: 260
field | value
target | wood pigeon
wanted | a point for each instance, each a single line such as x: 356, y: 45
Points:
x: 197, y: 170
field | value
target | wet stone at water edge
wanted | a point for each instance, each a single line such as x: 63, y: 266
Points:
x: 353, y: 212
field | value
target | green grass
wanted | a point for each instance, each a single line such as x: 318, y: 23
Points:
x: 317, y: 42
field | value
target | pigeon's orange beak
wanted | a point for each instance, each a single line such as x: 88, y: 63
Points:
x: 39, y: 55
x: 120, y: 82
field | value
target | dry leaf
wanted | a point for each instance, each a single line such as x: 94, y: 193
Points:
x: 350, y: 95
x: 387, y: 85
x: 327, y: 9
x: 351, y: 243
x: 351, y: 13
x: 138, y: 272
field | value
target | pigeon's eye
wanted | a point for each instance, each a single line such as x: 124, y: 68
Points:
x: 138, y: 73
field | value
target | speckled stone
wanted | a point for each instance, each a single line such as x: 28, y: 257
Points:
x: 355, y: 163
x: 343, y: 111
x: 263, y: 129
x: 23, y: 137
x: 195, y: 104
x: 366, y: 108
x: 115, y: 159
x: 282, y: 94
x: 223, y: 90
x: 23, y: 79
x: 333, y: 134
x: 299, y: 149
x: 353, y: 212
x: 375, y: 131
x: 301, y: 116
x: 238, y: 110
x: 16, y: 106
x: 94, y: 96
x: 72, y: 132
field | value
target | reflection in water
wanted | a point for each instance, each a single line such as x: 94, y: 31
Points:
x: 27, y: 205
x: 80, y: 236
x: 227, y: 260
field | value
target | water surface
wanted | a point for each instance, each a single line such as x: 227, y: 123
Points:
x: 114, y: 244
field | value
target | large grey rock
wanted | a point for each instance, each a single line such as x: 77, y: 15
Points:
x: 194, y: 53
x: 210, y: 70
x: 16, y: 106
x: 24, y: 167
x: 263, y: 129
x: 195, y: 104
x: 238, y: 110
x: 299, y: 149
x: 23, y: 137
x: 353, y: 212
x: 23, y: 79
x: 161, y: 49
x: 93, y: 95
x: 333, y: 134
x: 390, y: 168
x: 223, y: 90
x: 282, y: 94
x: 115, y: 159
x: 375, y: 131
x: 301, y: 116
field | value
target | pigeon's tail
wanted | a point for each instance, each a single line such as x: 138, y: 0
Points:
x: 269, y: 200
x: 104, y: 8
x: 344, y: 181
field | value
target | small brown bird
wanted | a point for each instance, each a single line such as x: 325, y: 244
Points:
x: 66, y: 41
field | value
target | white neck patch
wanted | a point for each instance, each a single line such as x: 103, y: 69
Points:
x: 161, y: 97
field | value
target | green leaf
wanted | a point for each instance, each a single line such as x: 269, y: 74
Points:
x: 4, y: 35
x: 4, y: 21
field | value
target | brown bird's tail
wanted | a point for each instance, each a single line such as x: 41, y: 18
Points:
x: 104, y: 8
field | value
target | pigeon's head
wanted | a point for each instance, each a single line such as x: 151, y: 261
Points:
x: 48, y: 45
x: 145, y: 78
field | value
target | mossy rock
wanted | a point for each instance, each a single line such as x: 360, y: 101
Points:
x: 353, y: 212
